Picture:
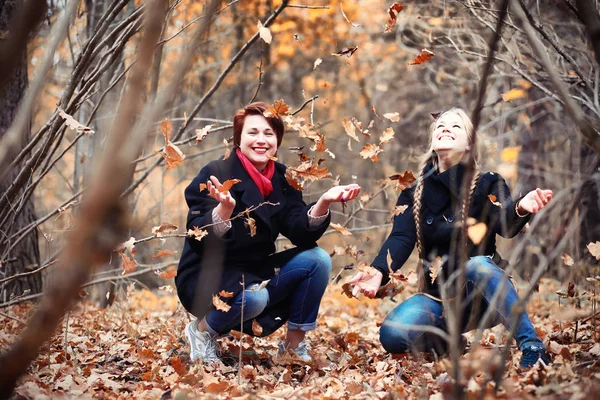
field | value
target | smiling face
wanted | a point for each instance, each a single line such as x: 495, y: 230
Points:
x: 258, y: 141
x: 450, y: 134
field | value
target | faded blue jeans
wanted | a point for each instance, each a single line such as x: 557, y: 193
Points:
x: 294, y: 293
x: 483, y: 279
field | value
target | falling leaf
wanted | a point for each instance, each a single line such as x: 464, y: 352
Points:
x: 292, y: 178
x: 348, y: 52
x: 73, y: 123
x: 594, y: 249
x: 166, y: 126
x: 436, y: 267
x: 273, y: 158
x: 225, y: 294
x: 567, y: 260
x: 201, y: 134
x: 371, y: 151
x: 166, y: 288
x: 393, y: 12
x: 404, y: 179
x: 309, y: 171
x: 220, y: 304
x: 262, y: 285
x: 424, y: 57
x: 277, y: 110
x: 318, y: 62
x: 346, y: 18
x: 341, y: 229
x: 173, y: 156
x: 227, y: 150
x: 197, y: 233
x: 256, y: 328
x: 228, y: 184
x: 387, y: 135
x: 350, y: 129
x: 165, y: 227
x: 251, y: 223
x: 477, y: 232
x: 493, y: 200
x: 203, y: 186
x: 265, y: 33
x: 514, y: 94
x: 129, y: 264
x: 162, y: 253
x: 399, y: 209
x: 394, y: 117
x: 347, y: 290
x: 168, y: 274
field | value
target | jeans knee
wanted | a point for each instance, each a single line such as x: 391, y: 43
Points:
x: 255, y: 302
x: 394, y: 340
x: 480, y: 267
x: 321, y: 261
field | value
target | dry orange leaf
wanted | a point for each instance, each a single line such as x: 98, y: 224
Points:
x: 173, y: 156
x: 387, y: 135
x: 514, y: 94
x: 404, y: 179
x: 348, y: 52
x: 129, y: 264
x: 201, y: 134
x: 477, y: 232
x: 347, y: 290
x: 220, y: 304
x: 292, y: 178
x: 436, y: 267
x: 178, y: 366
x: 256, y: 328
x: 277, y: 109
x: 168, y: 274
x: 341, y: 229
x: 165, y: 227
x: 197, y: 233
x: 225, y: 294
x: 371, y: 151
x: 493, y: 200
x: 393, y: 12
x: 594, y: 249
x: 399, y: 210
x: 424, y: 57
x: 228, y: 184
x: 567, y: 260
x: 203, y: 186
x: 394, y: 117
x: 251, y: 223
x: 217, y: 387
x: 162, y: 253
x: 350, y: 129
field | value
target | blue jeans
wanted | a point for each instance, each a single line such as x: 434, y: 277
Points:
x: 483, y: 280
x: 294, y: 293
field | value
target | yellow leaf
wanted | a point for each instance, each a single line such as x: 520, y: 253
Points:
x: 341, y: 229
x: 477, y: 232
x: 220, y: 304
x: 510, y: 154
x: 514, y: 94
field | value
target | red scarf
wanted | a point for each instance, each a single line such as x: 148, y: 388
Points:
x: 262, y: 179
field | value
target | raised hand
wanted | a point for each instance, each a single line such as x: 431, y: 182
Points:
x: 226, y: 201
x: 534, y: 201
x: 334, y: 195
x: 365, y: 283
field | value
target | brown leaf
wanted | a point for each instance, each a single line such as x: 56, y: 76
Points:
x: 348, y: 52
x: 225, y: 294
x: 168, y: 274
x: 394, y: 117
x: 277, y: 109
x: 477, y: 232
x: 203, y: 186
x: 436, y: 267
x: 129, y: 264
x: 166, y: 126
x: 228, y: 184
x: 162, y: 253
x: 265, y: 33
x: 347, y: 290
x: 217, y: 387
x: 73, y: 123
x: 387, y: 135
x: 341, y: 229
x: 424, y: 57
x: 178, y: 366
x: 311, y: 172
x: 251, y: 223
x: 292, y: 178
x: 227, y: 150
x: 404, y: 179
x: 201, y: 134
x: 594, y: 248
x: 393, y: 12
x: 371, y: 151
x: 493, y: 200
x: 256, y: 328
x: 350, y: 129
x: 567, y: 260
x: 220, y: 304
x: 399, y: 209
x: 165, y: 227
x: 197, y: 233
x: 173, y: 156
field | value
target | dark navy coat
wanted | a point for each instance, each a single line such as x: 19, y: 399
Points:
x: 441, y: 196
x: 221, y: 261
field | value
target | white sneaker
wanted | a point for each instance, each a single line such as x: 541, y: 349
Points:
x: 203, y: 345
x: 299, y: 354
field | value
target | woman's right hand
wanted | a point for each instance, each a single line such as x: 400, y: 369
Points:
x: 226, y: 201
x: 365, y: 283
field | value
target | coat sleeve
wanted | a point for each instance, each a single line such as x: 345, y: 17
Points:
x: 401, y: 241
x: 201, y: 205
x: 293, y: 221
x: 503, y: 218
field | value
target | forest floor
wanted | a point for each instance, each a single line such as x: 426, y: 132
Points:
x: 136, y: 348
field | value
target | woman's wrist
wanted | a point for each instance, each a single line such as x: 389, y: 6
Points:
x: 521, y: 214
x: 320, y: 208
x: 224, y: 211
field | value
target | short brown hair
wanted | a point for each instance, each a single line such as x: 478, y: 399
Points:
x: 257, y: 108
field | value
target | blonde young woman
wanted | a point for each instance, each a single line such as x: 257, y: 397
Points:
x: 430, y: 222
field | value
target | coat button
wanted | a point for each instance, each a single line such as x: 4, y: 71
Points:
x: 429, y: 220
x: 451, y: 219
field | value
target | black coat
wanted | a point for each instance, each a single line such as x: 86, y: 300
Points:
x: 441, y: 195
x: 223, y: 260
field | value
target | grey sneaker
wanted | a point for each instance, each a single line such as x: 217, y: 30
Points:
x: 299, y: 354
x: 203, y: 345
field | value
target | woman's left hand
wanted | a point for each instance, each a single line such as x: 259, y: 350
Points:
x: 341, y: 193
x: 534, y: 201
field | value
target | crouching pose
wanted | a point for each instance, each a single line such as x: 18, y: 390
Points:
x: 431, y: 221
x: 240, y: 250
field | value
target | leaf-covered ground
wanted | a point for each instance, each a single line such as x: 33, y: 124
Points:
x: 136, y: 349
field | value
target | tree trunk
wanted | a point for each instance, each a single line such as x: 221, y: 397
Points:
x: 25, y: 256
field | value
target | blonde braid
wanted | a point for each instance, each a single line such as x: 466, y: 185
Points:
x: 418, y: 195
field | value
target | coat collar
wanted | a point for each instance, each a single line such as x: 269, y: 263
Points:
x: 442, y: 189
x: 249, y: 194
